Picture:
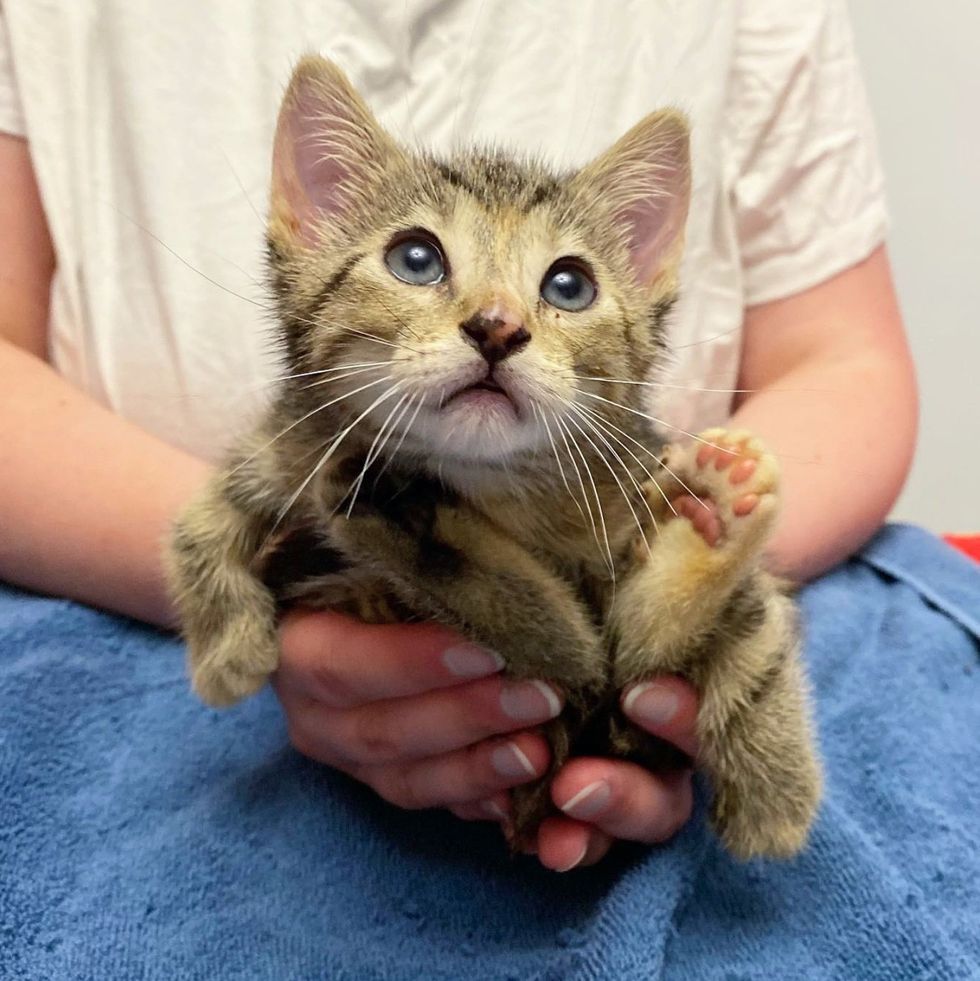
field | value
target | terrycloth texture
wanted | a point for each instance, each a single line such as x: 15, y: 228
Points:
x: 144, y: 836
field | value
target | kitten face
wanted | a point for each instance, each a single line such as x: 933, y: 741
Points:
x: 473, y: 302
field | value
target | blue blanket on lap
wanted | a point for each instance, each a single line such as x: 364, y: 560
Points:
x: 144, y: 836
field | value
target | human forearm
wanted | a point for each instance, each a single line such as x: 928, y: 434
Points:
x: 844, y: 434
x: 85, y: 496
x: 834, y: 396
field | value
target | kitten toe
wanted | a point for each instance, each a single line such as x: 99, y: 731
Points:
x: 730, y: 487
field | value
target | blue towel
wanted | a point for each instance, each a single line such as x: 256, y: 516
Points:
x: 145, y: 836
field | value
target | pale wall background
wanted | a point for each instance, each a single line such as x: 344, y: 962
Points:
x: 922, y: 68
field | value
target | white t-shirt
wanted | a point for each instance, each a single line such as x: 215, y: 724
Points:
x: 151, y: 123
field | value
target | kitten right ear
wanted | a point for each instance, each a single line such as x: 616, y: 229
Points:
x: 329, y: 153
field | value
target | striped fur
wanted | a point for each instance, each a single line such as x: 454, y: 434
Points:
x: 338, y: 501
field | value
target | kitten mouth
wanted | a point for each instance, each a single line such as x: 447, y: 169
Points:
x: 484, y: 392
x: 487, y: 385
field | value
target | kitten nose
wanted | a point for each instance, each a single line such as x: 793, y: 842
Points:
x: 495, y: 334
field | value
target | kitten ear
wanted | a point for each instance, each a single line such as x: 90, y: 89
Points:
x: 646, y: 178
x: 329, y: 153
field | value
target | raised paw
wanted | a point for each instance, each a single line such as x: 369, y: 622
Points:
x: 729, y: 484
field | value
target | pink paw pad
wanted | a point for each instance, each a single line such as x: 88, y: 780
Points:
x: 705, y: 454
x: 701, y: 514
x: 742, y: 471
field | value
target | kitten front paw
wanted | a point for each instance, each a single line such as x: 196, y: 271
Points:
x: 730, y: 485
x: 235, y: 666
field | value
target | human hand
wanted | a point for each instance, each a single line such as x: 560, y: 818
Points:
x: 603, y: 800
x: 412, y: 710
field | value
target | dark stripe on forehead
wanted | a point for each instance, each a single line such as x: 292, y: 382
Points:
x: 452, y: 176
x: 502, y: 181
x: 543, y: 192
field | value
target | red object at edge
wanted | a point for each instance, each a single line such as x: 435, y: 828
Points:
x: 967, y: 544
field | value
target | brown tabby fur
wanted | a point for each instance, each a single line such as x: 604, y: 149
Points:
x: 496, y: 534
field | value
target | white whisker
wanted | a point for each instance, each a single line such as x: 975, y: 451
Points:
x: 371, y: 455
x: 405, y: 432
x: 597, y: 422
x: 353, y: 371
x: 612, y: 472
x: 659, y: 422
x: 326, y: 371
x: 658, y: 384
x: 601, y: 420
x: 331, y: 450
x: 598, y: 500
x: 312, y: 412
x: 324, y: 322
x: 540, y: 414
x: 659, y: 461
x: 578, y: 473
x: 398, y: 445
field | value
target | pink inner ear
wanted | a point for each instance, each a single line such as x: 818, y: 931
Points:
x: 656, y: 221
x: 656, y: 215
x: 309, y: 175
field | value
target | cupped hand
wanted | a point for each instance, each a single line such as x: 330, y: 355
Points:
x: 423, y: 717
x: 412, y: 710
x: 602, y: 800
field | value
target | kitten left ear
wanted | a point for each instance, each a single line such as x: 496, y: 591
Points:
x: 645, y: 177
x: 330, y: 153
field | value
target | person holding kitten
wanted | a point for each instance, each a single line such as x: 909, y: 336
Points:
x: 787, y: 326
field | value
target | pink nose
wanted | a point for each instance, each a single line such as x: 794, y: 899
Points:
x: 495, y: 337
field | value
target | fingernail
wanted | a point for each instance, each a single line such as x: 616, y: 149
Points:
x: 530, y: 701
x: 472, y: 661
x: 510, y: 760
x: 578, y: 860
x: 588, y: 802
x: 651, y: 703
x: 492, y: 809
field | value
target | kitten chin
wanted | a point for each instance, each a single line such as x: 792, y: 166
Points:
x: 474, y: 432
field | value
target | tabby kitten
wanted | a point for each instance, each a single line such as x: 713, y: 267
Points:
x: 461, y: 437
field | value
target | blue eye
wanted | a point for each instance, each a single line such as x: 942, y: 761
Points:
x: 569, y: 286
x: 416, y: 260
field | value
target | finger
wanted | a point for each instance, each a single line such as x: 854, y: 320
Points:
x: 564, y: 844
x: 426, y: 725
x: 624, y: 800
x: 666, y: 707
x: 476, y: 773
x: 495, y: 808
x: 343, y: 662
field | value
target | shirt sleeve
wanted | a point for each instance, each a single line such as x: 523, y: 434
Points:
x: 11, y: 112
x: 807, y: 186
